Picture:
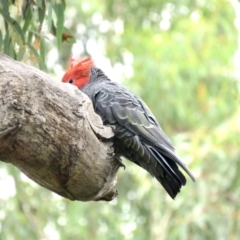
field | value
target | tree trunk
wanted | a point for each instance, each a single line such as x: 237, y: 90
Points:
x: 50, y: 132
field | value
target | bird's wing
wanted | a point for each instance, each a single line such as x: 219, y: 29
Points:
x: 117, y: 104
x: 122, y: 106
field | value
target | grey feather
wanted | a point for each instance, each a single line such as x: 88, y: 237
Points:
x: 138, y: 135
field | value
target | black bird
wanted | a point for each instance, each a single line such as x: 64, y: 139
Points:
x: 138, y: 135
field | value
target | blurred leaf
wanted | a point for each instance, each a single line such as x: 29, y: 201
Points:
x: 42, y: 51
x: 5, y: 6
x: 20, y: 54
x: 11, y: 50
x: 41, y: 11
x: 27, y: 26
x: 28, y: 19
x: 30, y: 37
x: 6, y: 43
x: 49, y: 16
x: 59, y: 9
x: 1, y: 40
x: 34, y: 51
x: 26, y: 6
x: 14, y: 25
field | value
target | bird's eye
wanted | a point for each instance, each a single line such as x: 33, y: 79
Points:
x: 70, y: 81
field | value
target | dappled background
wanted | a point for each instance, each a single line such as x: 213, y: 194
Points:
x: 183, y: 59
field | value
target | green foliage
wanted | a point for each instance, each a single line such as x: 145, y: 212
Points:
x: 26, y: 26
x: 182, y: 57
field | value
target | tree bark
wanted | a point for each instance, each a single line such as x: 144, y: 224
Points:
x: 50, y: 132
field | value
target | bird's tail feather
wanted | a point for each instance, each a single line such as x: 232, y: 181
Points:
x: 170, y: 154
x: 160, y: 161
x: 163, y: 166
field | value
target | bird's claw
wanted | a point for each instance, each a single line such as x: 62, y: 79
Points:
x: 119, y: 161
x: 122, y: 165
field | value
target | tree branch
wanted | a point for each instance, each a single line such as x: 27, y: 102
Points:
x: 50, y: 132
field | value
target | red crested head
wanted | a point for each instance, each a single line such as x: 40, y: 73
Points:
x: 78, y: 73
